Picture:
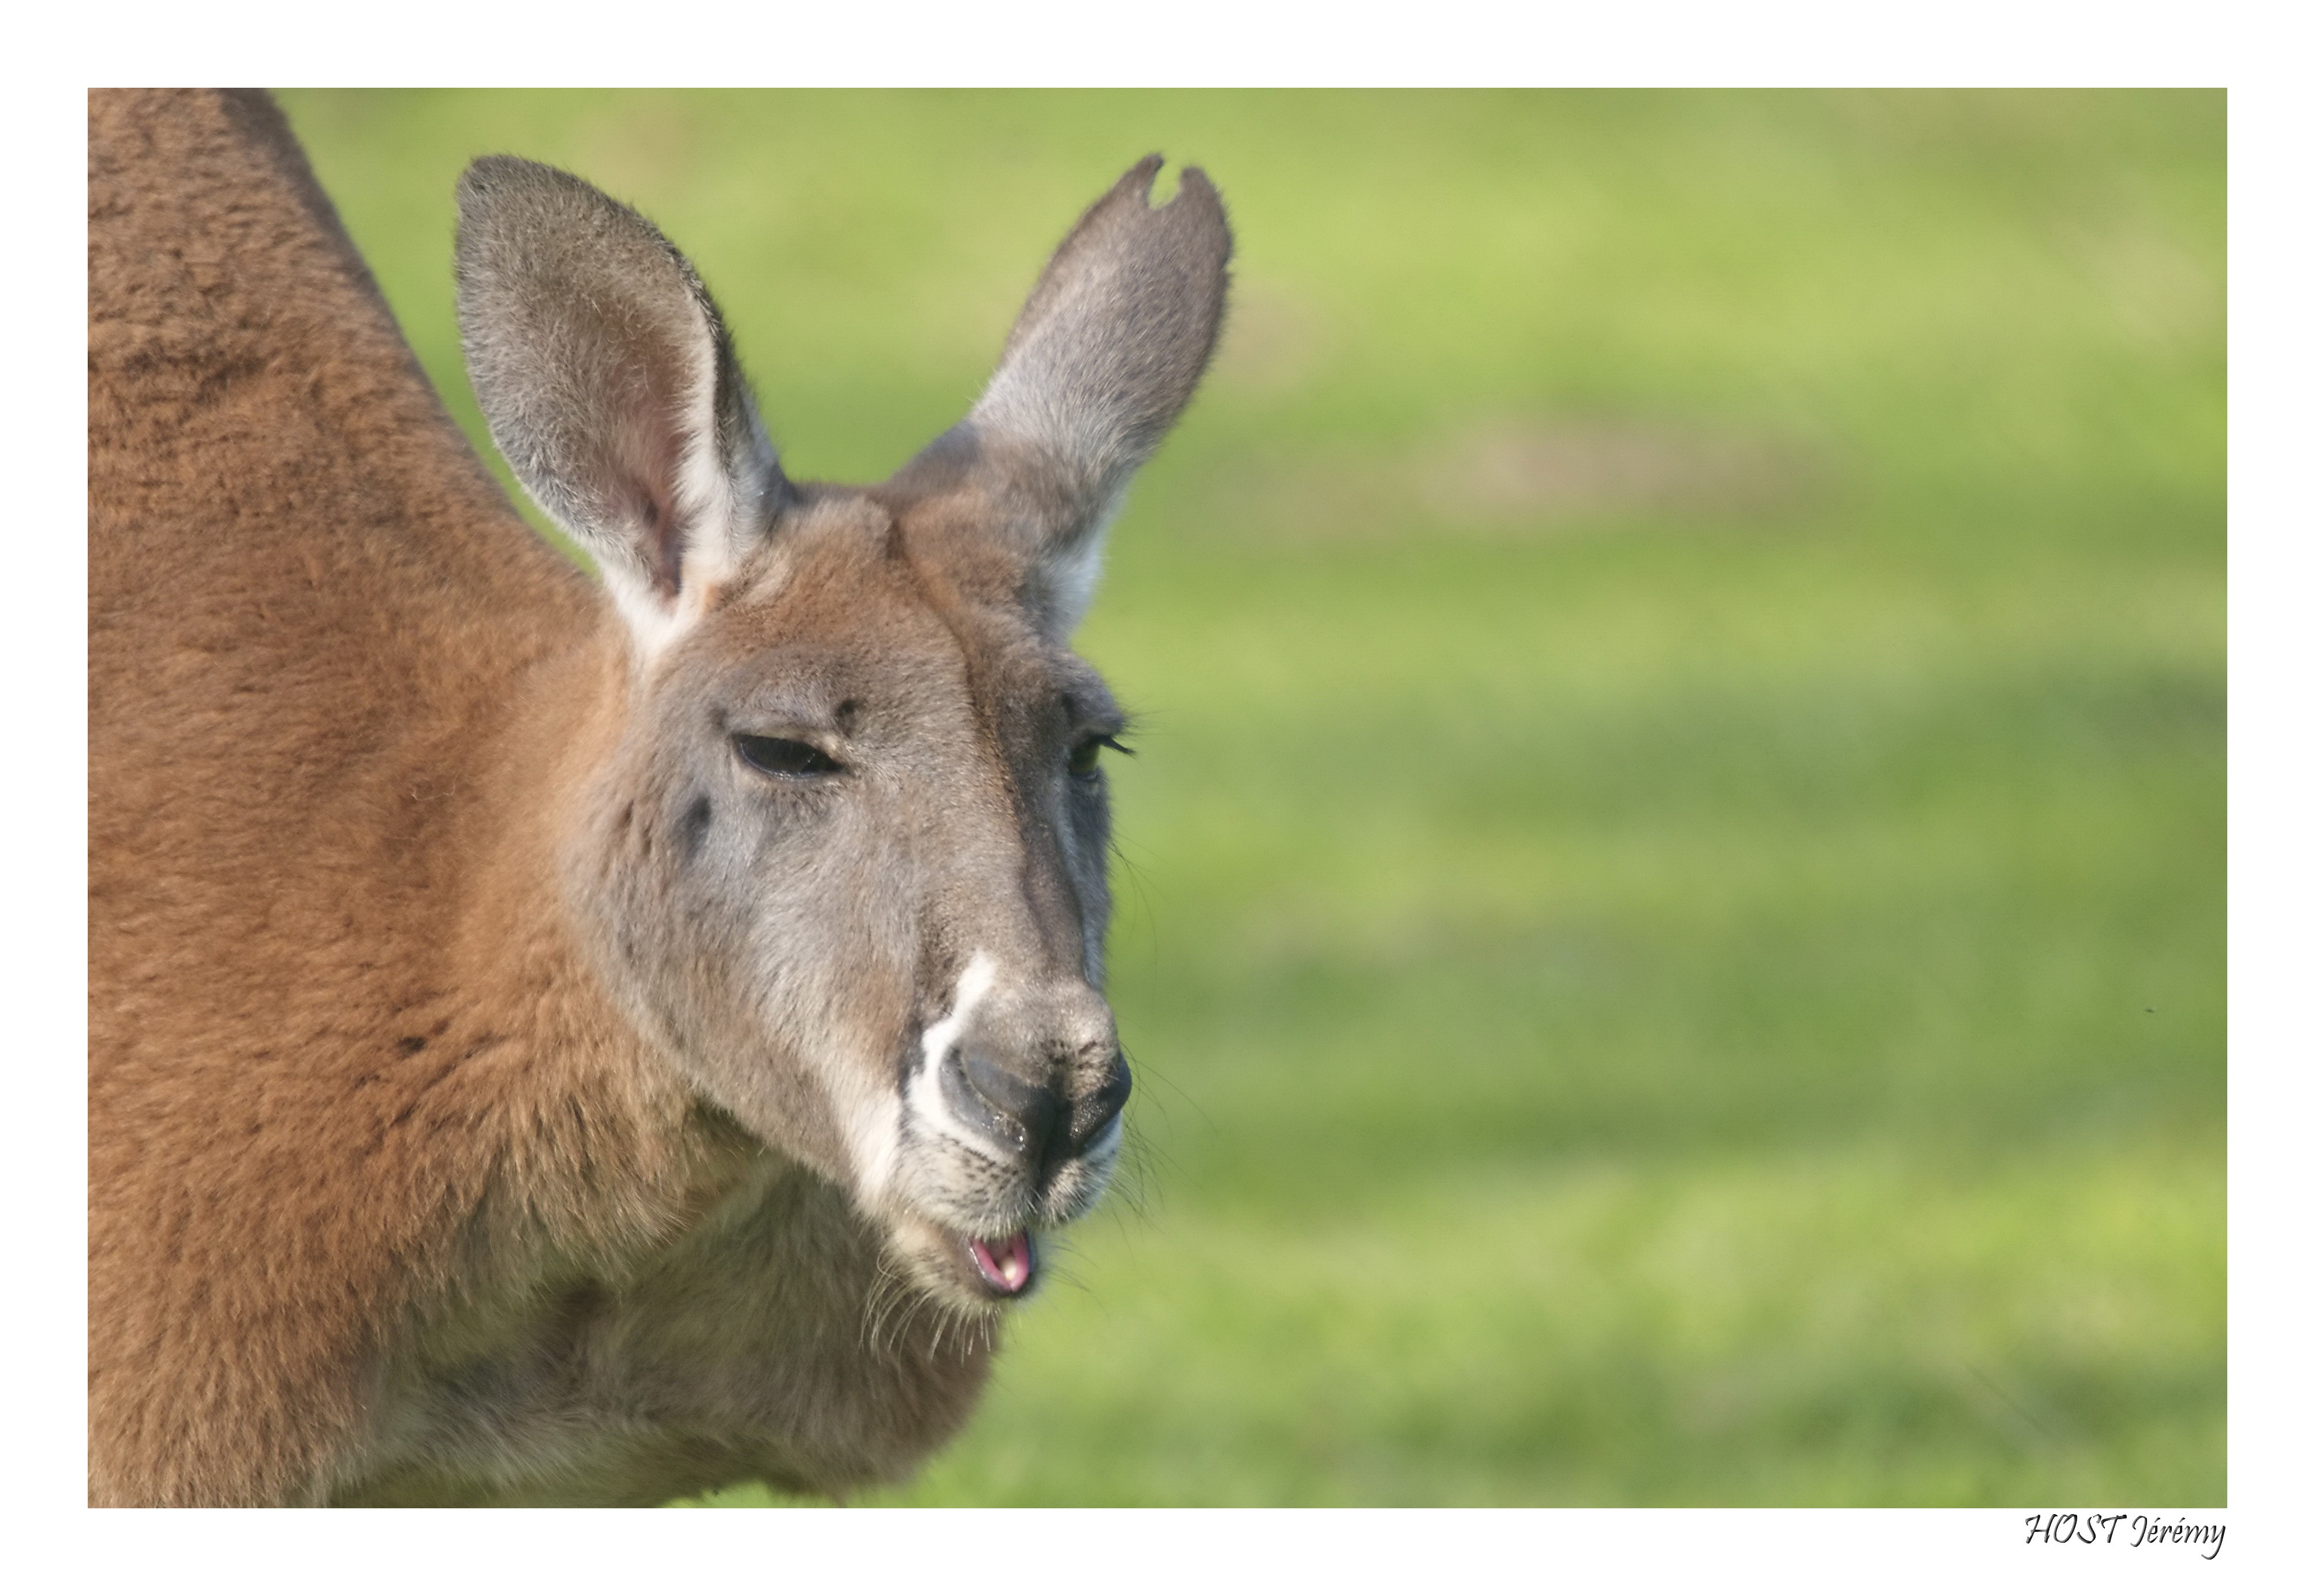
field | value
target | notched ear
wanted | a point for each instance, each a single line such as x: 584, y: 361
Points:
x: 1105, y: 356
x: 610, y: 383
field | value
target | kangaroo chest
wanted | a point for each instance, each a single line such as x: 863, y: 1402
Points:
x: 770, y: 1341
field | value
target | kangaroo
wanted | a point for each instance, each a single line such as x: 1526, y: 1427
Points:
x: 557, y: 1039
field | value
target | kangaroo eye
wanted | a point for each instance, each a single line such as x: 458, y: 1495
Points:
x: 1085, y: 759
x: 783, y: 756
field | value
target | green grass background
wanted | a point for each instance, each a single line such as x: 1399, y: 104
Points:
x: 1708, y: 998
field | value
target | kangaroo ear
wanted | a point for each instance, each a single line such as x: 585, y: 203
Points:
x: 1105, y: 354
x: 610, y: 386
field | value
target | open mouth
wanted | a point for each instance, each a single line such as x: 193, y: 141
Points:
x: 1006, y: 1264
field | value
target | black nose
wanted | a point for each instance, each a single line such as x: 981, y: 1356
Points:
x: 1037, y: 1122
x: 1095, y: 1111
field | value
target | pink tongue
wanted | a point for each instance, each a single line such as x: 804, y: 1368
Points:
x: 1004, y: 1263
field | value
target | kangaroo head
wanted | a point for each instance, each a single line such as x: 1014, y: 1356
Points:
x: 842, y: 860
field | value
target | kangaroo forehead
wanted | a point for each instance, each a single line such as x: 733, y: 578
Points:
x: 847, y: 614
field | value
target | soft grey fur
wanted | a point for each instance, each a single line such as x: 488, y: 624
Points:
x: 1103, y: 357
x: 586, y: 334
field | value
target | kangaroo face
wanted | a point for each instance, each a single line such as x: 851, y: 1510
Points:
x: 845, y: 868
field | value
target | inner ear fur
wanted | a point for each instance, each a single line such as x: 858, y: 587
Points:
x: 609, y: 382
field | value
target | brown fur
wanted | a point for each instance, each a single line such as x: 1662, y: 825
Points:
x: 412, y: 1177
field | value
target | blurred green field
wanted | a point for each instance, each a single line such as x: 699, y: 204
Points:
x: 1671, y: 903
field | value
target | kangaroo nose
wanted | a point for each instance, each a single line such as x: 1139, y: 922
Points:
x: 1020, y: 1113
x: 1097, y: 1110
x: 1040, y: 1125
